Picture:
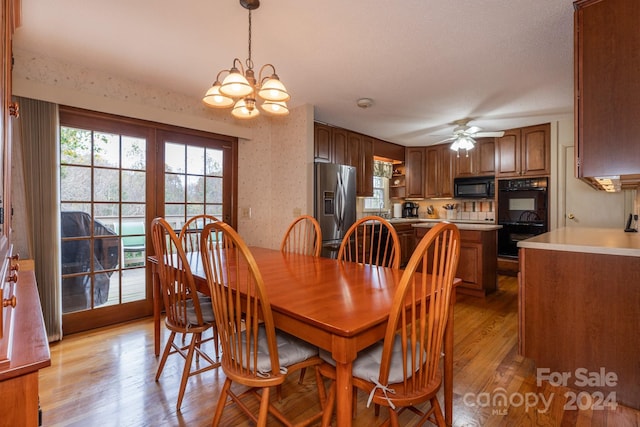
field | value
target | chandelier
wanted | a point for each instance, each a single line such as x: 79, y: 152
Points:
x: 242, y: 90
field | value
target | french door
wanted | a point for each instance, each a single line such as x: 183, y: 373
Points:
x: 116, y: 175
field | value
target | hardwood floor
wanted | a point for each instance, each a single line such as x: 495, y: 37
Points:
x: 106, y: 377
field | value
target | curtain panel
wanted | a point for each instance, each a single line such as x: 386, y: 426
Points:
x: 35, y: 136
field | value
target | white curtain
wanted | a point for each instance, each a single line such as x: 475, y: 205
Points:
x: 36, y: 137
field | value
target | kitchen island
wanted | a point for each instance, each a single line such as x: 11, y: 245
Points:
x: 579, y: 318
x: 478, y: 254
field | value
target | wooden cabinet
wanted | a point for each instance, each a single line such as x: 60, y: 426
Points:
x: 29, y: 353
x: 330, y: 144
x: 407, y: 236
x: 607, y: 87
x: 363, y: 147
x: 415, y: 172
x: 439, y: 171
x: 478, y: 260
x: 580, y: 310
x: 389, y: 151
x: 478, y: 162
x: 337, y: 145
x: 322, y: 143
x: 524, y: 152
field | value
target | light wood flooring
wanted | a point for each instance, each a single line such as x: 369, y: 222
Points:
x: 106, y: 378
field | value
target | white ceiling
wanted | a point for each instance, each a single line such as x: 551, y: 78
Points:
x: 425, y: 63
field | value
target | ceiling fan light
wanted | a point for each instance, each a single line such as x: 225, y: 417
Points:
x: 275, y: 108
x: 245, y: 109
x: 213, y: 97
x: 235, y: 85
x: 274, y: 90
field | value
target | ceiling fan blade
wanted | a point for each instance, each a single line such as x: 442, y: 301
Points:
x: 473, y: 129
x: 496, y: 134
x: 445, y: 140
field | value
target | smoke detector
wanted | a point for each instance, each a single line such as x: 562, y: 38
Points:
x: 364, y: 103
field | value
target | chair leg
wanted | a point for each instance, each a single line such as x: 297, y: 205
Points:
x: 437, y: 411
x: 302, y: 372
x: 215, y: 342
x: 186, y: 371
x: 165, y: 354
x: 264, y: 408
x: 328, y: 409
x: 322, y: 393
x: 222, y: 402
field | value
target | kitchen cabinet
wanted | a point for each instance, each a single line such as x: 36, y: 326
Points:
x: 407, y: 236
x: 415, y: 172
x: 330, y: 144
x: 607, y: 88
x: 439, y: 171
x: 361, y: 148
x: 477, y: 266
x: 388, y: 151
x: 579, y: 307
x: 477, y: 162
x: 524, y: 152
x: 337, y: 145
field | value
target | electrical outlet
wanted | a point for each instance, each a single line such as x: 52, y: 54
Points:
x: 297, y: 212
x: 245, y: 213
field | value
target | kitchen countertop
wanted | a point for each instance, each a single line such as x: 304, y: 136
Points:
x: 462, y: 225
x: 607, y: 241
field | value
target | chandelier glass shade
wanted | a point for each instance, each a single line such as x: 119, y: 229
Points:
x: 463, y: 142
x: 242, y: 90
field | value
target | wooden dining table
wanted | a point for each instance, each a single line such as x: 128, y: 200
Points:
x: 338, y: 306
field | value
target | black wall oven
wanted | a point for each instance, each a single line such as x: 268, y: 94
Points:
x: 522, y: 212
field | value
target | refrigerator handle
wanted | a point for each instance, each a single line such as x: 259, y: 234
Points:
x: 340, y: 196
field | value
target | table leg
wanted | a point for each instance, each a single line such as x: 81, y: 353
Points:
x: 448, y: 363
x: 344, y: 410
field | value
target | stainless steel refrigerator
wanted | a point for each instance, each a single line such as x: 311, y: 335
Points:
x: 335, y: 203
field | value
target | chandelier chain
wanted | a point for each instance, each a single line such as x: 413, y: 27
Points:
x: 249, y: 61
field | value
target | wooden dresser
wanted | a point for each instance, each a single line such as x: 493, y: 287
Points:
x: 24, y: 346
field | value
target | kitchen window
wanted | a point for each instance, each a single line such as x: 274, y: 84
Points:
x: 380, y: 201
x: 380, y: 194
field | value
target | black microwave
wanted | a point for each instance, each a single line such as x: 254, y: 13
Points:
x: 477, y: 187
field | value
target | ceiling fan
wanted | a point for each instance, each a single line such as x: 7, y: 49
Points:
x: 464, y: 135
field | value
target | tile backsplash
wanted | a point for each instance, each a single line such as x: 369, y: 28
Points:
x: 472, y: 210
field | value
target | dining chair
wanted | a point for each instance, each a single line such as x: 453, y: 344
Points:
x: 403, y: 370
x: 371, y: 240
x: 184, y: 313
x: 254, y: 354
x: 191, y: 231
x: 303, y: 236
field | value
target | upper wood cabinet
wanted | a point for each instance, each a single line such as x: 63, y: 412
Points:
x: 388, y: 150
x: 524, y: 152
x: 330, y: 144
x: 337, y: 145
x: 415, y: 172
x: 478, y: 162
x: 607, y: 87
x: 322, y: 145
x: 360, y: 149
x: 439, y: 171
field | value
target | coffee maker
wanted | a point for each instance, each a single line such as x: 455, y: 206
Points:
x: 409, y: 210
